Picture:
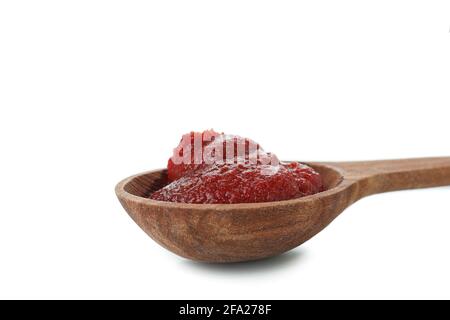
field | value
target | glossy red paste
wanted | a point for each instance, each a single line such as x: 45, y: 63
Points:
x: 246, y: 174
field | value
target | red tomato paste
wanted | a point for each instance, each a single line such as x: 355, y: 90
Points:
x: 209, y: 167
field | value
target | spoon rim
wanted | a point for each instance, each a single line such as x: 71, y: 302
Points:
x: 121, y: 192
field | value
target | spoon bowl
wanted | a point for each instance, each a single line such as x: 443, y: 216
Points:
x: 250, y: 231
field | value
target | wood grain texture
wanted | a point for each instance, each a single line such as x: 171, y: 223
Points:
x: 243, y: 232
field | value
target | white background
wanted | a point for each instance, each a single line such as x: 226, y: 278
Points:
x: 94, y: 91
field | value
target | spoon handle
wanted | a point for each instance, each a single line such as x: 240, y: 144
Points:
x: 391, y: 175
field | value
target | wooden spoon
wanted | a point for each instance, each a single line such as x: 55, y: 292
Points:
x: 242, y: 232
